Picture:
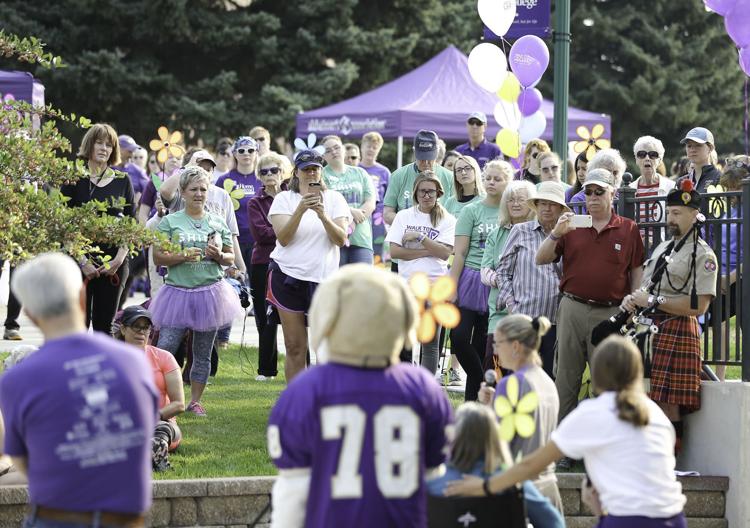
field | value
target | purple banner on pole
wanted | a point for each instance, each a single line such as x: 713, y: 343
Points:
x: 532, y: 18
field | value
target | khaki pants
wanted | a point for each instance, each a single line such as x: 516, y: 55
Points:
x: 575, y: 321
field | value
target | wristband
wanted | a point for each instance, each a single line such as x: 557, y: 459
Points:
x: 553, y: 237
x: 486, y: 486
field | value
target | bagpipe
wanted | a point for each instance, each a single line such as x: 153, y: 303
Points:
x: 637, y: 325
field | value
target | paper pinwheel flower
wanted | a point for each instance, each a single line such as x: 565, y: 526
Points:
x: 166, y: 144
x: 516, y: 417
x: 716, y: 205
x: 377, y: 218
x: 434, y: 307
x: 591, y: 142
x: 378, y: 262
x: 300, y: 144
x: 235, y: 193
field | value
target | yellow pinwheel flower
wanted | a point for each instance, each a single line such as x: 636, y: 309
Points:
x: 516, y: 417
x: 434, y: 305
x: 590, y: 141
x: 166, y: 144
x: 716, y: 205
x: 235, y: 194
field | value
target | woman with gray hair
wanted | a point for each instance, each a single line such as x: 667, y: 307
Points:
x: 195, y: 297
x: 649, y: 154
x: 609, y: 159
x: 514, y: 209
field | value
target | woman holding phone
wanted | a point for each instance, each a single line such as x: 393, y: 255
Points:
x: 310, y: 224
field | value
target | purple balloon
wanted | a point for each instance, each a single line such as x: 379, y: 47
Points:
x: 745, y: 60
x: 529, y: 58
x: 737, y: 22
x: 529, y: 101
x: 721, y: 7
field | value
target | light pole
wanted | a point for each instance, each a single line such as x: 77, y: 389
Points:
x: 561, y: 40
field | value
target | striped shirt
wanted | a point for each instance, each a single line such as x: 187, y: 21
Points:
x: 524, y: 287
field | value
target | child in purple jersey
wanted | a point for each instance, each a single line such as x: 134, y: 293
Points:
x: 354, y: 438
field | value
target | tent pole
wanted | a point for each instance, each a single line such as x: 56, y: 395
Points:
x: 400, y: 152
x: 561, y: 38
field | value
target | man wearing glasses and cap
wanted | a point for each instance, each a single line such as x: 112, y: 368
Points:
x: 478, y: 147
x: 601, y: 265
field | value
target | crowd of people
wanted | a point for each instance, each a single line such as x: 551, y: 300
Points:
x: 534, y: 282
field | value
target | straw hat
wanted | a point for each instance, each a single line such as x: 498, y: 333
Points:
x: 551, y: 191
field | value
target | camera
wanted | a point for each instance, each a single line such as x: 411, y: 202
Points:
x: 244, y: 296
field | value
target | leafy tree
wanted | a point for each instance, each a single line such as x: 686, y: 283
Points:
x: 659, y: 68
x: 35, y: 220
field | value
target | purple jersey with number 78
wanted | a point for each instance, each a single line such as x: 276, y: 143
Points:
x: 367, y: 436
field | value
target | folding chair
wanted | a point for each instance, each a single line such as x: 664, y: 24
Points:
x: 498, y: 511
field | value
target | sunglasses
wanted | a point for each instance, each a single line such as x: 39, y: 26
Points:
x: 737, y: 164
x: 244, y: 151
x: 588, y: 191
x: 272, y: 170
x: 141, y: 329
x: 475, y: 122
x: 641, y: 154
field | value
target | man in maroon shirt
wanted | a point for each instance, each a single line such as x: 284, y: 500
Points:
x: 601, y: 265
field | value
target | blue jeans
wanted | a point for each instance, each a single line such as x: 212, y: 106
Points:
x: 355, y: 255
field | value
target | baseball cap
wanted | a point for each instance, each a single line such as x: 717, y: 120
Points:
x: 699, y: 135
x: 127, y: 143
x: 201, y: 155
x: 307, y: 158
x: 132, y: 313
x: 426, y: 145
x: 601, y: 177
x: 478, y: 115
x: 245, y: 141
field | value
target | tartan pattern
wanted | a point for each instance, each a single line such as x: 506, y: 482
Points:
x: 676, y: 362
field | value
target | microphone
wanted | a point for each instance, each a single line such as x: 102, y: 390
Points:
x: 490, y: 378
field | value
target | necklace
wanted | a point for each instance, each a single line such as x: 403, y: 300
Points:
x: 196, y: 223
x: 92, y: 185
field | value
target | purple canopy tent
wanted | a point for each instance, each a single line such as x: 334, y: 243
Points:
x: 23, y: 87
x: 438, y: 95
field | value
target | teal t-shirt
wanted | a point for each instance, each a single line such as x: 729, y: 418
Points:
x: 493, y: 248
x: 401, y: 186
x: 187, y: 232
x: 477, y: 221
x: 455, y: 207
x: 355, y: 185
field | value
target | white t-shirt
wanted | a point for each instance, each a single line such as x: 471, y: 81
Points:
x: 412, y: 219
x: 631, y: 467
x: 310, y: 255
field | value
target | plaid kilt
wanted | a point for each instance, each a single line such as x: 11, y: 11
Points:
x: 676, y: 362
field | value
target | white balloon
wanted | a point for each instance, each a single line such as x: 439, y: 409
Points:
x: 507, y: 115
x: 488, y: 66
x: 498, y: 15
x: 532, y: 126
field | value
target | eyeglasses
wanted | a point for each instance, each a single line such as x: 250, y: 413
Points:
x: 588, y: 191
x: 141, y: 329
x: 463, y: 170
x: 641, y: 154
x: 553, y: 168
x: 244, y: 151
x: 475, y: 122
x: 272, y: 170
x: 260, y: 139
x: 427, y: 193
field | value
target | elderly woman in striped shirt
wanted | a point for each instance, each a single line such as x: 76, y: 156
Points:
x: 523, y: 286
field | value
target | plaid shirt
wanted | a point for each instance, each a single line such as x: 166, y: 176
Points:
x: 524, y: 287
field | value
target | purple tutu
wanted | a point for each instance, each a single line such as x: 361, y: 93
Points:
x: 203, y: 308
x: 472, y: 294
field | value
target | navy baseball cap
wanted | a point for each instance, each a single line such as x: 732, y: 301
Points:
x: 307, y: 158
x: 426, y: 145
x: 132, y: 313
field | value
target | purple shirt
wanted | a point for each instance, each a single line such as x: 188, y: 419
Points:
x: 136, y: 174
x: 260, y: 226
x: 485, y: 152
x: 380, y: 176
x: 82, y: 409
x: 333, y: 419
x: 251, y: 185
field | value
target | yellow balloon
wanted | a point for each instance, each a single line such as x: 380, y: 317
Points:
x: 510, y: 89
x: 509, y: 142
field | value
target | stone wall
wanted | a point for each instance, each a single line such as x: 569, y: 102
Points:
x: 238, y: 502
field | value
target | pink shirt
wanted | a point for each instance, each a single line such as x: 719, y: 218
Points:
x: 162, y: 363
